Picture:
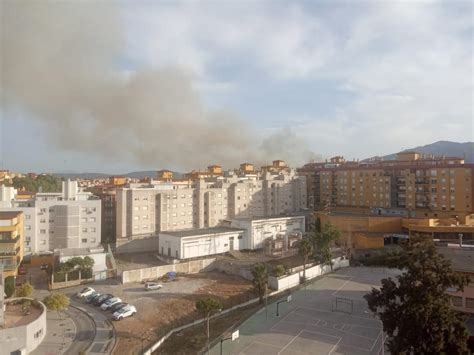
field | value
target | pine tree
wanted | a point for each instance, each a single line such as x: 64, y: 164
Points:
x: 415, y: 309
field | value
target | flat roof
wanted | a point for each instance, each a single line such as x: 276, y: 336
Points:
x: 202, y: 231
x: 9, y: 214
x: 266, y: 218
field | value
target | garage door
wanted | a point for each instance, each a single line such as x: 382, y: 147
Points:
x: 195, y: 250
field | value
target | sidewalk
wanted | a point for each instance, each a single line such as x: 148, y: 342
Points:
x: 60, y: 334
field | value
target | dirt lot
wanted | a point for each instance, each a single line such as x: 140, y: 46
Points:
x: 173, y: 305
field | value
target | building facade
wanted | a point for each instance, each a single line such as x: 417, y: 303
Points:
x: 11, y: 242
x: 68, y: 219
x: 146, y: 209
x: 422, y: 186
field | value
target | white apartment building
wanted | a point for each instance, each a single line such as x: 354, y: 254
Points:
x: 67, y: 219
x: 143, y: 211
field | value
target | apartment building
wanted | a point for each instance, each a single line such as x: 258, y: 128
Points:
x: 67, y: 219
x: 421, y: 186
x: 204, y: 202
x: 11, y: 242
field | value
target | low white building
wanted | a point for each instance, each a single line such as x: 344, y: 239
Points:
x: 194, y: 243
x: 258, y: 230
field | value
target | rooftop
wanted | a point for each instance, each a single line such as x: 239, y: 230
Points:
x: 6, y: 215
x: 203, y: 231
x: 267, y: 218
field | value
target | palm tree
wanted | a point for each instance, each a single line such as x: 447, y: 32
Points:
x: 260, y: 280
x: 305, y: 248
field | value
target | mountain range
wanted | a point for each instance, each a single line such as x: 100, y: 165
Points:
x: 446, y: 148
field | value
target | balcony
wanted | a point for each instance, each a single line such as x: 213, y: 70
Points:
x: 8, y: 240
x: 9, y: 251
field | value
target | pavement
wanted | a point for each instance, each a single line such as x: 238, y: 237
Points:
x: 313, y: 323
x: 80, y: 328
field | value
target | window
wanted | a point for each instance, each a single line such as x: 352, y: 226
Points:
x: 51, y: 210
x: 84, y: 240
x: 93, y: 229
x: 84, y: 230
x: 84, y: 219
x: 43, y: 242
x: 28, y: 228
x: 456, y: 301
x: 42, y: 231
x: 145, y: 208
x: 27, y: 216
x: 469, y: 302
x: 42, y: 221
x: 92, y: 219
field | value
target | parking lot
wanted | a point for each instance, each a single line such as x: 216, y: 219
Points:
x: 173, y: 303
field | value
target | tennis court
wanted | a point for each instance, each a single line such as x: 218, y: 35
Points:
x: 329, y: 316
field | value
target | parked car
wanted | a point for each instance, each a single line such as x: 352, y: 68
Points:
x: 127, y: 311
x: 85, y: 292
x: 44, y: 267
x: 117, y: 306
x: 99, y: 300
x: 152, y: 286
x: 92, y: 297
x: 109, y: 303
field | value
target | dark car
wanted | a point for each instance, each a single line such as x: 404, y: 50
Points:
x: 101, y: 299
x: 93, y: 297
x: 117, y: 306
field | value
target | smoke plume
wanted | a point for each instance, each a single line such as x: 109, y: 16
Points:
x: 63, y: 62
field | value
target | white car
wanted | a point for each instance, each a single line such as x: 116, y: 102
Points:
x: 152, y: 286
x: 85, y: 292
x: 125, y: 312
x: 109, y: 303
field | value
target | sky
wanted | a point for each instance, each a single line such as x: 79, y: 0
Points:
x: 122, y: 86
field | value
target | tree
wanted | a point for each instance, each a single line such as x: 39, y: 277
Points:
x: 305, y: 249
x: 9, y: 286
x: 260, y: 280
x: 25, y: 290
x: 207, y: 306
x: 279, y: 270
x: 415, y: 309
x: 56, y: 301
x: 324, y: 241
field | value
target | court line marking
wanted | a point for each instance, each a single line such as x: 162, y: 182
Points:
x: 375, y: 342
x: 292, y: 340
x: 334, y: 347
x: 334, y: 336
x: 348, y: 315
x: 257, y: 342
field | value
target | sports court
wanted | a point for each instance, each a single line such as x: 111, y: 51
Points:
x: 329, y: 316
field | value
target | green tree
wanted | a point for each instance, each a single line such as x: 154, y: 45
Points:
x: 260, y: 280
x: 25, y: 290
x: 279, y: 270
x: 9, y: 286
x: 56, y: 301
x: 415, y: 309
x: 324, y: 241
x: 305, y: 249
x: 206, y: 307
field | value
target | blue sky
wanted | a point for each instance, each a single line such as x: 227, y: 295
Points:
x: 357, y: 78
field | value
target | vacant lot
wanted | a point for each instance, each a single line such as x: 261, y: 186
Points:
x: 173, y: 305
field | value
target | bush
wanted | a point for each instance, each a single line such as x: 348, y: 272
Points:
x: 279, y: 270
x: 9, y: 286
x: 388, y: 260
x: 25, y: 290
x: 56, y: 301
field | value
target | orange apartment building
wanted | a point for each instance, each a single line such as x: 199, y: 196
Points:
x: 411, y: 185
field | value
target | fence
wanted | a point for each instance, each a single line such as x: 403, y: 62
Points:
x: 154, y: 272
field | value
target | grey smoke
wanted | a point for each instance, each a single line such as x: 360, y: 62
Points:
x: 62, y: 62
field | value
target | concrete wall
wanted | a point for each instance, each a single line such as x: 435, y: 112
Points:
x: 26, y: 337
x: 293, y: 280
x: 190, y: 267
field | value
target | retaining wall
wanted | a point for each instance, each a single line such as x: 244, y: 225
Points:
x: 154, y: 272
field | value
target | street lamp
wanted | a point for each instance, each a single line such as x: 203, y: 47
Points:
x: 287, y: 299
x: 208, y: 318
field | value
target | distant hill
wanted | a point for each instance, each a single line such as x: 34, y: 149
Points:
x: 451, y: 149
x: 134, y: 174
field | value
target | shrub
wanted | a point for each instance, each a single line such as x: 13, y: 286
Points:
x: 25, y: 290
x: 9, y: 286
x: 56, y: 301
x: 279, y: 270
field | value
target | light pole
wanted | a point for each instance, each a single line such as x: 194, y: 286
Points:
x: 208, y: 318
